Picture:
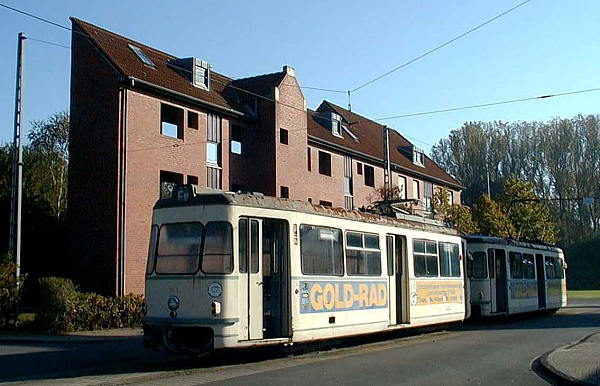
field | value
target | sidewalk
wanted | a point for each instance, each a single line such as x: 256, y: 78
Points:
x: 578, y: 363
x: 72, y: 337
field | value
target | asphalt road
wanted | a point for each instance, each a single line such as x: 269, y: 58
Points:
x: 495, y: 352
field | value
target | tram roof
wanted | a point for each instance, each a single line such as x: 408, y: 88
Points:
x: 481, y: 239
x: 212, y: 197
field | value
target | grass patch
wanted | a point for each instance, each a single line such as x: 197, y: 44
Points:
x: 587, y: 294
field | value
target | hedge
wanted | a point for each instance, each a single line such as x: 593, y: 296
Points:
x: 10, y: 290
x: 63, y: 308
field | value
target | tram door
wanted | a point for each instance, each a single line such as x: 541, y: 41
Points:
x: 541, y: 280
x: 492, y: 276
x: 397, y: 292
x: 501, y: 281
x: 250, y: 251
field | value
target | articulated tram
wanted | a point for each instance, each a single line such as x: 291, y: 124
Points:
x: 234, y: 270
x: 510, y: 277
x: 230, y: 270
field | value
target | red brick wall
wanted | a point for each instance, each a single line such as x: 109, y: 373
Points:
x: 149, y: 152
x: 93, y: 165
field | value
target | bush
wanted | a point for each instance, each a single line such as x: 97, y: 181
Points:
x: 63, y: 308
x: 10, y: 290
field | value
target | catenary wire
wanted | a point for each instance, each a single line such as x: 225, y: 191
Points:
x: 431, y: 51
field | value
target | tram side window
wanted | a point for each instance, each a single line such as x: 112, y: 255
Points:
x: 363, y: 256
x: 549, y: 265
x: 558, y: 268
x: 516, y: 265
x: 152, y: 250
x: 321, y: 250
x: 217, y: 256
x: 449, y: 260
x: 425, y: 258
x: 528, y: 267
x: 243, y: 244
x: 178, y: 248
x: 479, y: 265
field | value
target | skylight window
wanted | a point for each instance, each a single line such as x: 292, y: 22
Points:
x: 142, y: 56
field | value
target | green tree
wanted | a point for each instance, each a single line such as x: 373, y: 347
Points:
x: 490, y: 218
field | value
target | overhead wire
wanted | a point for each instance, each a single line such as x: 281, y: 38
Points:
x: 439, y: 47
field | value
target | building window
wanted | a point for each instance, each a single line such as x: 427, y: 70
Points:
x: 450, y: 198
x: 425, y: 258
x: 283, y: 136
x: 401, y: 187
x: 285, y: 192
x: 321, y: 251
x: 359, y: 168
x: 168, y: 180
x: 213, y: 151
x: 418, y: 157
x: 325, y: 203
x: 369, y: 176
x: 192, y: 120
x: 310, y: 200
x: 324, y: 163
x: 236, y: 140
x: 192, y: 180
x: 336, y: 125
x: 213, y: 177
x: 427, y: 195
x: 171, y: 121
x: 142, y: 55
x: 308, y: 159
x: 416, y: 190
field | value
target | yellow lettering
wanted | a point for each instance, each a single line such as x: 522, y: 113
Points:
x: 373, y: 295
x: 363, y: 294
x: 316, y: 297
x: 348, y: 295
x: 382, y: 295
x: 329, y: 296
x: 339, y: 301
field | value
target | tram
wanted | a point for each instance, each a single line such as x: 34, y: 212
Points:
x: 230, y: 270
x: 509, y: 277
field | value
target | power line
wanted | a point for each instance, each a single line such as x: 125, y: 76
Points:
x: 35, y: 17
x: 49, y: 43
x: 489, y: 104
x: 431, y: 51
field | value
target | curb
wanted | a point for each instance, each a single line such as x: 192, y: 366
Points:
x: 65, y: 338
x: 543, y: 360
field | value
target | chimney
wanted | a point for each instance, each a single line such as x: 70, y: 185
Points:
x: 289, y: 70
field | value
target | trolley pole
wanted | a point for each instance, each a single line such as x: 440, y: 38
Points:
x: 16, y: 191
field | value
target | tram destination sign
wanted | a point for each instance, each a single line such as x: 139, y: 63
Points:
x: 327, y: 296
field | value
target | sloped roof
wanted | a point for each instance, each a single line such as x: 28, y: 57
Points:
x: 260, y: 84
x: 370, y: 141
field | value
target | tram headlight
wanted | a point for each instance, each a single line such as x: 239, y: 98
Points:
x: 173, y: 303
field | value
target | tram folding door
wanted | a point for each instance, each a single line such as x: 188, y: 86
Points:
x: 397, y: 291
x: 254, y: 279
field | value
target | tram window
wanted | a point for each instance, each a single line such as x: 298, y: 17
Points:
x: 449, y: 260
x: 243, y: 244
x: 528, y: 267
x: 363, y: 256
x: 558, y: 268
x: 425, y: 258
x: 479, y: 265
x: 178, y: 248
x: 152, y: 250
x: 491, y: 259
x: 549, y: 266
x: 217, y: 256
x: 321, y: 250
x: 253, y: 246
x: 516, y: 265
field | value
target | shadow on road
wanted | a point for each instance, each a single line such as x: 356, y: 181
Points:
x: 35, y: 361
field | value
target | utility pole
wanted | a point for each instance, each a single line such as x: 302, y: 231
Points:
x: 16, y: 191
x: 488, y: 182
x: 387, y: 168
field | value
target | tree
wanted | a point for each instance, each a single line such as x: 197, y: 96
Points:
x: 47, y: 161
x: 491, y: 219
x: 457, y: 215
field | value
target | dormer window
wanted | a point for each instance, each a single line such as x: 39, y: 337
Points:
x: 336, y: 125
x: 418, y: 157
x: 195, y: 70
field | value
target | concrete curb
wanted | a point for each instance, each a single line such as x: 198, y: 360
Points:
x: 548, y: 366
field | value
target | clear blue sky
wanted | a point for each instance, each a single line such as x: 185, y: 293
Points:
x: 546, y: 46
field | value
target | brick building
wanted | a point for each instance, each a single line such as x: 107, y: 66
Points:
x: 143, y: 120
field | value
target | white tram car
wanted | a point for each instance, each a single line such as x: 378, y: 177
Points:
x: 510, y: 277
x: 234, y: 270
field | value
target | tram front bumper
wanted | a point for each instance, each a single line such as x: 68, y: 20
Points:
x: 178, y: 338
